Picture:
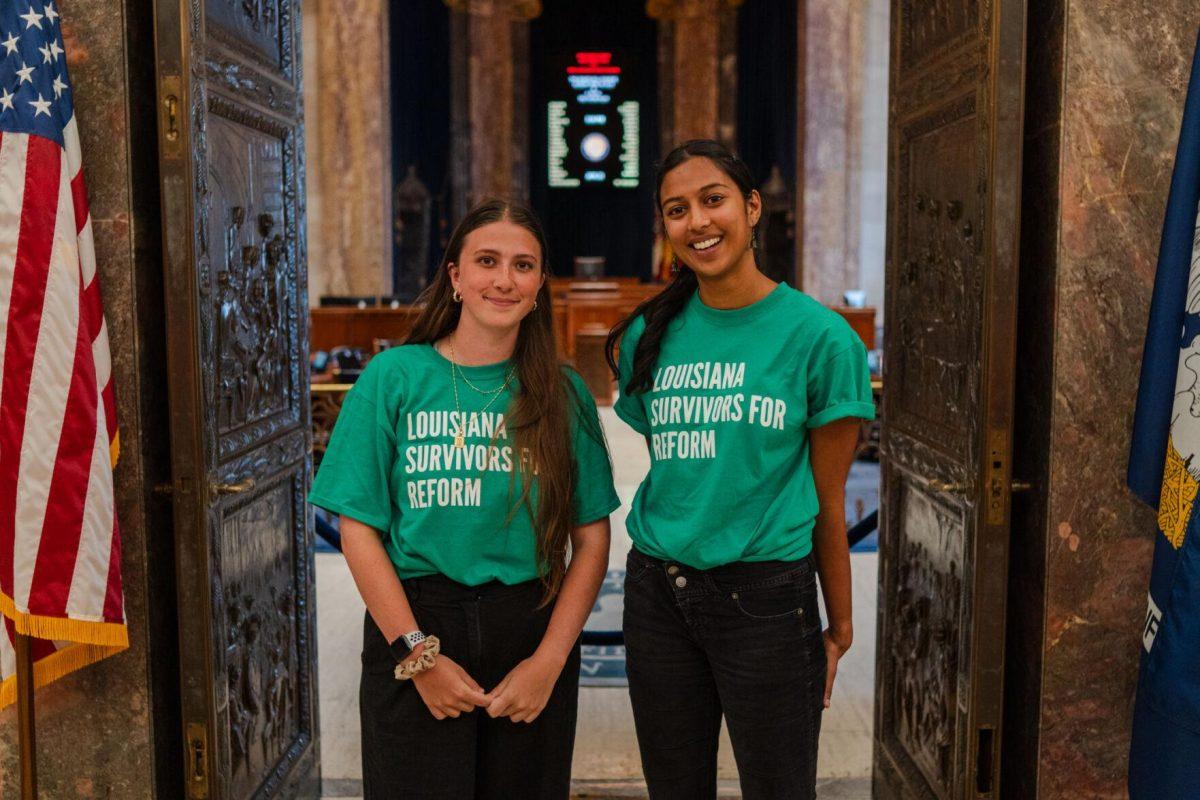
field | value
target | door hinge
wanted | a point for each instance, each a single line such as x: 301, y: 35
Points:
x: 197, y: 761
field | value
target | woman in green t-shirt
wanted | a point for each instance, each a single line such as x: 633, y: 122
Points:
x: 462, y: 464
x: 747, y: 392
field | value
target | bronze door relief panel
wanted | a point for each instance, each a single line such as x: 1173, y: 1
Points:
x: 954, y: 179
x: 231, y: 160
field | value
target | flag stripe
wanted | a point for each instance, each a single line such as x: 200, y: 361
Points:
x: 25, y: 287
x: 89, y: 310
x: 93, y: 562
x: 64, y: 529
x: 79, y: 201
x: 8, y: 657
x: 40, y: 648
x: 10, y: 217
x: 114, y: 600
x: 42, y: 246
x: 71, y: 145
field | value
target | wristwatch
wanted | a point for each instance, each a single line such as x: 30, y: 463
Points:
x: 404, y: 645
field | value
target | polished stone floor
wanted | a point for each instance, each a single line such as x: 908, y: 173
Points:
x: 606, y: 760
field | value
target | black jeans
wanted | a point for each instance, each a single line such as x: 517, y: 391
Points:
x: 743, y: 640
x: 487, y: 630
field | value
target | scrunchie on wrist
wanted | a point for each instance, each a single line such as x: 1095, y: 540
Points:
x: 405, y: 670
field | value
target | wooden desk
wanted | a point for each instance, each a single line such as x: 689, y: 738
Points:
x: 862, y: 320
x: 561, y: 285
x: 598, y: 309
x: 358, y: 327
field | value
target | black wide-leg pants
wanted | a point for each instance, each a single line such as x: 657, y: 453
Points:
x: 487, y: 630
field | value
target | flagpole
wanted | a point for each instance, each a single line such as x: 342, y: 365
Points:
x: 25, y: 727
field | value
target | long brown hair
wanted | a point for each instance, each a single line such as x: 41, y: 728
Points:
x: 538, y: 416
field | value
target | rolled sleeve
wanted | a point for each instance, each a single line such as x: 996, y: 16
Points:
x: 840, y: 387
x: 354, y: 478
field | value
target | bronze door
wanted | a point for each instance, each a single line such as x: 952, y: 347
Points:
x: 231, y: 147
x: 954, y: 174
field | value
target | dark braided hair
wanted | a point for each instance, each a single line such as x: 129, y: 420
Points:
x: 659, y: 310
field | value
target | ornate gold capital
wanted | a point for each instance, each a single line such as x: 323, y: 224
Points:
x: 516, y: 9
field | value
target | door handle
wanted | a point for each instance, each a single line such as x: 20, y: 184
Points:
x: 942, y: 487
x: 240, y: 487
x: 935, y: 485
x: 945, y: 487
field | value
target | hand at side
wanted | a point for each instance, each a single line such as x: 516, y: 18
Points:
x: 448, y: 690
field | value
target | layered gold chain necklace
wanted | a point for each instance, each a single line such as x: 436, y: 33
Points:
x: 460, y: 437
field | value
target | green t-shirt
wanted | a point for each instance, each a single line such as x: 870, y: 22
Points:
x: 734, y: 395
x: 392, y: 464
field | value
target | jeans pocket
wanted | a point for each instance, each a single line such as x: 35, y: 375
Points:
x: 637, y: 567
x: 793, y: 598
x: 774, y: 602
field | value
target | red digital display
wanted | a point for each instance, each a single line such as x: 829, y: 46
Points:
x: 593, y: 64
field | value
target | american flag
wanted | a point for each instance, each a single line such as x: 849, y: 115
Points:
x: 60, y: 559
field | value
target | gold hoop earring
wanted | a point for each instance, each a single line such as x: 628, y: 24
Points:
x: 535, y: 305
x: 457, y: 296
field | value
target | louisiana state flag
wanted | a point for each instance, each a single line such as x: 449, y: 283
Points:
x: 1164, y: 471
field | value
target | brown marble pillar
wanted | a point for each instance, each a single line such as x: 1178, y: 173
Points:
x: 491, y: 40
x: 490, y: 101
x: 698, y: 68
x: 348, y: 147
x: 96, y: 734
x: 829, y: 124
x: 1104, y: 99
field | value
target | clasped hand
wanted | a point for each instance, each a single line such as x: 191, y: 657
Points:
x: 448, y: 691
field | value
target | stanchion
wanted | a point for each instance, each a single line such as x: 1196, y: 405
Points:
x: 25, y: 733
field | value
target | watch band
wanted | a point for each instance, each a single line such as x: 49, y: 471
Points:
x: 404, y: 644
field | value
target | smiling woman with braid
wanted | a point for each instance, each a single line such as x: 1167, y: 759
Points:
x: 746, y: 391
x: 463, y: 463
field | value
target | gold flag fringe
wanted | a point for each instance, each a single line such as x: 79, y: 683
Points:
x: 55, y: 666
x: 90, y: 642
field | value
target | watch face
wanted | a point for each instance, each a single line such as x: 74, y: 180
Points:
x: 400, y: 649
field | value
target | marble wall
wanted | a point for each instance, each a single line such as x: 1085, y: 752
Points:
x: 104, y: 710
x: 347, y: 147
x: 1105, y: 91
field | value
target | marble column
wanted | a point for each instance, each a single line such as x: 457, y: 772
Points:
x: 698, y: 69
x: 96, y: 733
x: 1104, y: 99
x: 490, y: 106
x: 829, y: 127
x: 349, y: 147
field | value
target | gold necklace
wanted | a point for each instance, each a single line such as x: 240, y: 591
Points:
x: 460, y: 436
